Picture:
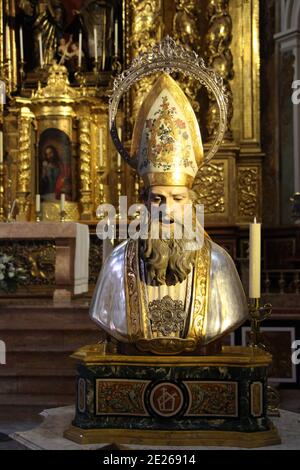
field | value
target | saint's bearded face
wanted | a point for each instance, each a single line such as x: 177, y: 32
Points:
x: 168, y: 260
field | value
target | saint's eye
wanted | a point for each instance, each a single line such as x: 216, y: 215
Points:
x: 156, y: 199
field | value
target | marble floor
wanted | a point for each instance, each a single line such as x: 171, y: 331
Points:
x: 23, y: 418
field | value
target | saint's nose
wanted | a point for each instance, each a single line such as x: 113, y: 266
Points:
x: 169, y: 208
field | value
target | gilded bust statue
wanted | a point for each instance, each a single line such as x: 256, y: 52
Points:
x: 158, y: 294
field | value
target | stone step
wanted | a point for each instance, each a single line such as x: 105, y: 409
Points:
x: 38, y: 385
x: 29, y: 360
x: 47, y: 340
x: 40, y: 337
x: 17, y: 372
x: 32, y: 399
x: 42, y: 319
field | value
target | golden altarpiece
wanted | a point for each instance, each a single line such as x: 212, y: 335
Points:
x: 40, y: 100
x: 225, y: 33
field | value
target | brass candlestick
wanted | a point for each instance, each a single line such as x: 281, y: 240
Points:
x: 101, y: 194
x: 116, y: 66
x: 136, y: 198
x: 257, y: 315
x: 38, y: 216
x: 22, y: 74
x: 119, y: 192
x: 80, y: 77
x: 1, y: 192
x: 101, y: 178
x: 97, y: 67
x: 97, y: 73
x: 42, y: 72
x: 136, y: 189
x: 101, y: 175
x: 62, y: 215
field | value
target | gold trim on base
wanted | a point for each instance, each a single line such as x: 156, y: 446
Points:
x: 173, y: 438
x: 235, y: 356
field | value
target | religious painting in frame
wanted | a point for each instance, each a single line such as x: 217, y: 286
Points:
x: 55, y: 171
x: 278, y: 341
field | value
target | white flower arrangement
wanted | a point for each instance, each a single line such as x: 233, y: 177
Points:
x: 10, y: 275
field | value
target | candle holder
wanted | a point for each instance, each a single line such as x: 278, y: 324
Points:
x: 136, y: 188
x: 98, y: 72
x: 1, y: 192
x: 100, y: 212
x: 62, y: 215
x: 116, y: 66
x: 119, y: 191
x: 42, y: 72
x: 101, y: 171
x: 80, y: 77
x: 97, y: 67
x: 4, y: 71
x: 38, y: 216
x: 257, y: 315
x: 136, y: 197
x: 22, y: 74
x: 101, y: 193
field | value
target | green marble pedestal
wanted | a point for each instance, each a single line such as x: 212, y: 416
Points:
x: 173, y: 400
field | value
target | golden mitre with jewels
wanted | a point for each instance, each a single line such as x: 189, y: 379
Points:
x: 166, y: 142
x: 166, y: 139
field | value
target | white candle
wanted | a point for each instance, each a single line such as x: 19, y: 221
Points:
x: 120, y: 133
x: 41, y: 51
x: 62, y: 201
x: 101, y: 147
x: 80, y: 49
x: 7, y: 40
x: 116, y: 38
x: 1, y: 146
x: 95, y: 44
x: 21, y: 45
x: 254, y: 260
x: 37, y: 203
x: 103, y: 54
x: 119, y: 161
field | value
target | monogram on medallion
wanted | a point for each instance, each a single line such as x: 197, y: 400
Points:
x: 166, y: 399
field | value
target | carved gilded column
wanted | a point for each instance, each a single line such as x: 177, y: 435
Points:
x: 219, y: 57
x: 14, y: 59
x: 24, y: 161
x: 100, y: 154
x: 85, y: 165
x: 10, y: 55
x: 186, y: 31
x: 144, y: 29
x: 246, y: 81
x: 1, y: 32
x: 246, y: 123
